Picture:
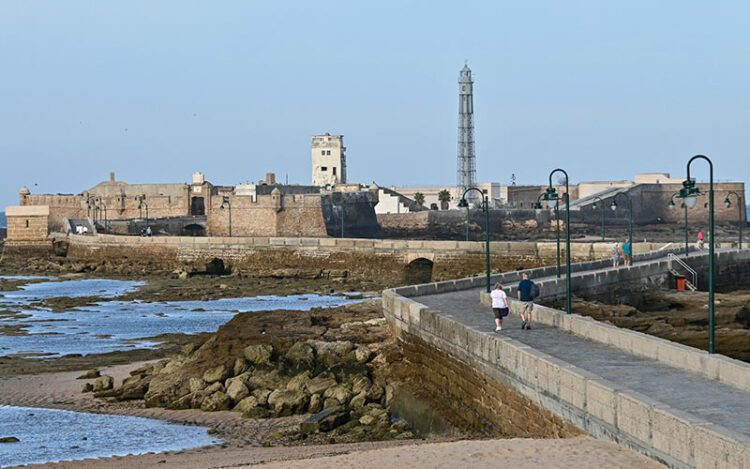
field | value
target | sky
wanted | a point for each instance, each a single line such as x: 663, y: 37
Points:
x: 155, y: 90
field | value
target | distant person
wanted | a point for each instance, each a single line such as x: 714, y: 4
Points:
x: 527, y: 291
x: 616, y: 255
x: 148, y: 231
x: 700, y: 239
x: 627, y: 252
x: 500, y: 306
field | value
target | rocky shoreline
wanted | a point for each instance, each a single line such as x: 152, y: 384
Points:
x: 329, y: 364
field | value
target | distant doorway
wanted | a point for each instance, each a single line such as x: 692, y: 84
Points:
x: 418, y: 271
x: 197, y: 206
x: 194, y: 229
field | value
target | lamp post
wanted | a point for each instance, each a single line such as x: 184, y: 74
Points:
x: 603, y: 211
x: 728, y: 203
x: 689, y: 193
x: 101, y: 205
x: 486, y: 208
x: 554, y: 207
x: 552, y: 199
x: 226, y: 204
x: 672, y: 207
x: 89, y: 205
x: 557, y: 236
x: 613, y: 206
x: 142, y: 205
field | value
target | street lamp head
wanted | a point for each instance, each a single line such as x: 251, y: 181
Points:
x: 463, y: 203
x: 613, y: 205
x: 224, y: 202
x: 671, y: 205
x: 689, y: 193
x: 593, y: 206
x: 727, y: 202
x: 551, y: 197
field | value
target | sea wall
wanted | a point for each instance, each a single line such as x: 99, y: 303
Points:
x: 392, y: 259
x: 594, y: 404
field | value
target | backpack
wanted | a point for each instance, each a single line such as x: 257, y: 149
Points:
x: 535, y: 292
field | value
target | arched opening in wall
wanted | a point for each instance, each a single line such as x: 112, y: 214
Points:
x: 197, y: 206
x: 215, y: 267
x: 194, y: 229
x: 418, y: 271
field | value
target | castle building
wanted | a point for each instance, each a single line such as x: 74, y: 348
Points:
x: 328, y: 160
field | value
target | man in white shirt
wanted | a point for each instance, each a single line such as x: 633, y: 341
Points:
x: 499, y: 306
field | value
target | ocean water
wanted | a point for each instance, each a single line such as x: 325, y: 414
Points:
x: 122, y: 325
x: 103, y: 288
x: 88, y: 435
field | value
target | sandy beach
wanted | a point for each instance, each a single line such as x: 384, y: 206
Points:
x: 243, y: 437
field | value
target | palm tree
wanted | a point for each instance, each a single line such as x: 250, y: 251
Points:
x: 419, y: 198
x: 444, y: 197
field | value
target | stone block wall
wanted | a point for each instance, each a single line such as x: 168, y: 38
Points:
x: 486, y: 406
x: 287, y: 215
x: 27, y: 232
x: 27, y: 223
x: 61, y: 207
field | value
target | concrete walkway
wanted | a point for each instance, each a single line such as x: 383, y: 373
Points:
x: 707, y: 399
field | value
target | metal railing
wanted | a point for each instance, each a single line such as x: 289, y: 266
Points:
x: 693, y: 275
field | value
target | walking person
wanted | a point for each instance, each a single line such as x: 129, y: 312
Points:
x: 616, y: 255
x: 500, y: 306
x: 527, y: 291
x: 700, y: 239
x: 627, y: 253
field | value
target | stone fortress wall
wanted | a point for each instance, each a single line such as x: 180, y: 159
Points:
x: 61, y: 207
x: 266, y: 209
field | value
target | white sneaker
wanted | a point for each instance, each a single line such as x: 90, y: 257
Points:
x: 498, y: 328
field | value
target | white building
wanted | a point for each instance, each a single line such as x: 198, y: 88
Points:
x: 430, y: 193
x: 328, y: 160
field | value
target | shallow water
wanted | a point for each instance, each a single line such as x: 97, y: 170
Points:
x: 88, y: 435
x: 25, y: 277
x: 102, y: 288
x: 123, y: 325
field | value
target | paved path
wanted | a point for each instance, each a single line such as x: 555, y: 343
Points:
x: 707, y: 399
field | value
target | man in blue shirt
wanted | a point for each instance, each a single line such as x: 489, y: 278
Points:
x: 627, y: 252
x: 525, y: 294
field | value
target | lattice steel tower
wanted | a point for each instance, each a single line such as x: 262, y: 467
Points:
x: 467, y: 166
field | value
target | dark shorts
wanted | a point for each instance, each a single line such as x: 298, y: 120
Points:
x: 500, y: 312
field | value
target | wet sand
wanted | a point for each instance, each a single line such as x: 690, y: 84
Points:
x: 247, y: 440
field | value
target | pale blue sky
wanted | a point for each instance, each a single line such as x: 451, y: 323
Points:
x: 236, y: 89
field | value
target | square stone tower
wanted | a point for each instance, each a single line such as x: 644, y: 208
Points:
x: 328, y: 160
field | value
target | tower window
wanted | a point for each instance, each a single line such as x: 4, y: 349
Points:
x: 324, y: 168
x: 27, y: 223
x: 328, y: 152
x: 322, y: 152
x: 334, y: 170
